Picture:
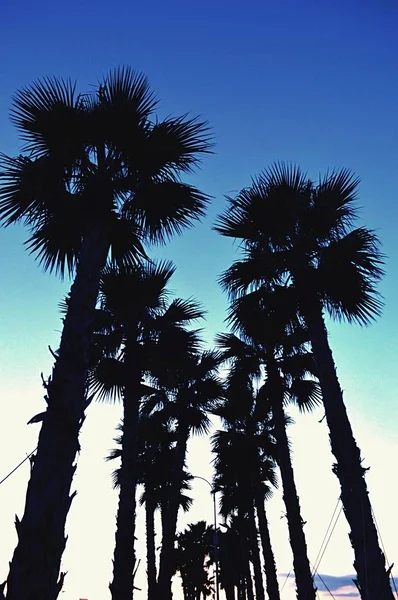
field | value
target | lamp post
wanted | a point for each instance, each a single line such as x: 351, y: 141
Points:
x: 215, y: 536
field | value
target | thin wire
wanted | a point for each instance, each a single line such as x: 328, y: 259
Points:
x: 384, y: 550
x: 328, y: 540
x: 327, y: 530
x: 287, y: 577
x: 317, y: 574
x: 17, y: 467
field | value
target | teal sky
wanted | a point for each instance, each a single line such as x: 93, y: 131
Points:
x: 313, y: 82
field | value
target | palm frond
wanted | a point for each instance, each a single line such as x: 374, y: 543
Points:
x: 126, y: 242
x: 184, y: 311
x: 163, y: 209
x: 48, y: 115
x: 107, y: 379
x: 30, y: 188
x: 334, y: 210
x: 306, y: 394
x: 174, y: 145
x: 57, y: 241
x: 128, y: 94
x: 348, y: 272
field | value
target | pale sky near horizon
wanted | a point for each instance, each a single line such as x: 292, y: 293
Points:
x: 310, y: 82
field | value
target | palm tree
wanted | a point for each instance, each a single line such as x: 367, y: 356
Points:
x: 273, y: 346
x: 230, y: 564
x: 154, y: 466
x: 99, y: 178
x: 244, y: 470
x: 193, y: 558
x: 188, y: 394
x: 300, y: 233
x: 133, y: 313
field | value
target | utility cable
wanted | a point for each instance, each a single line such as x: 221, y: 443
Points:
x: 17, y: 467
x: 319, y: 559
x: 327, y: 530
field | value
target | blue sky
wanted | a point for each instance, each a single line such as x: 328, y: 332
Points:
x: 309, y: 82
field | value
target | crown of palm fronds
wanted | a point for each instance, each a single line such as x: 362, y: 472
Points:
x: 100, y: 158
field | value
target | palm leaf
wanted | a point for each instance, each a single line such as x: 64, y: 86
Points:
x: 347, y: 275
x: 107, y: 379
x: 48, y: 115
x: 163, y: 209
x: 174, y: 144
x: 306, y: 393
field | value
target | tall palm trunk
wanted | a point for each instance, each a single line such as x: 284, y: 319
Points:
x: 268, y: 554
x: 229, y: 589
x: 166, y: 564
x: 302, y: 569
x: 248, y: 582
x: 369, y: 561
x: 255, y: 553
x: 35, y: 566
x: 150, y: 507
x: 246, y: 576
x: 122, y: 586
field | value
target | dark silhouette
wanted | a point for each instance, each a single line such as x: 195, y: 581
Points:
x: 99, y: 179
x: 301, y: 234
x: 193, y: 558
x: 244, y: 472
x: 133, y: 315
x: 154, y: 467
x: 190, y: 392
x: 274, y: 347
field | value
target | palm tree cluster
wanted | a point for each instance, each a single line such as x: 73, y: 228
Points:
x: 99, y: 183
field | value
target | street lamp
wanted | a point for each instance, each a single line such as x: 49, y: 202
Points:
x: 215, y: 536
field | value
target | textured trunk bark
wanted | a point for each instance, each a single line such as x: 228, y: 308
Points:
x: 269, y: 559
x: 229, y: 592
x: 248, y: 580
x: 122, y: 586
x: 369, y: 562
x: 255, y: 553
x: 34, y: 569
x: 166, y: 564
x: 246, y: 575
x: 150, y: 507
x: 302, y: 570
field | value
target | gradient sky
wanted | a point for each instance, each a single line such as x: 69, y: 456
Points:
x: 314, y: 82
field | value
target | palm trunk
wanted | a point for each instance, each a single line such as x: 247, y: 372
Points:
x: 229, y: 591
x: 150, y: 507
x: 302, y: 570
x: 247, y: 582
x: 269, y: 559
x: 255, y: 554
x: 369, y: 561
x: 248, y: 579
x: 166, y: 564
x: 34, y: 569
x: 122, y: 586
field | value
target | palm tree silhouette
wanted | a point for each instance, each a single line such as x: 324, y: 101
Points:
x: 154, y: 466
x: 301, y: 234
x: 98, y: 179
x: 244, y: 470
x: 273, y: 348
x: 134, y: 314
x: 193, y: 558
x: 188, y: 393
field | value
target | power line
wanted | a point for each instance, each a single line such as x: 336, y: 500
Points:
x: 317, y: 574
x: 17, y: 467
x: 384, y: 550
x: 287, y: 577
x: 328, y: 535
x: 327, y: 530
